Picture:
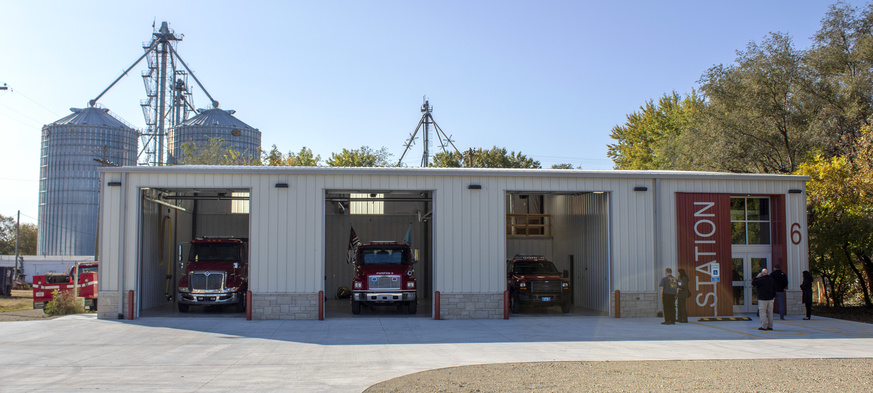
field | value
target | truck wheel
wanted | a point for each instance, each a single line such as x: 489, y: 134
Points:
x: 413, y: 307
x: 565, y: 307
x: 356, y: 307
x: 514, y: 305
x: 93, y: 305
x: 183, y: 307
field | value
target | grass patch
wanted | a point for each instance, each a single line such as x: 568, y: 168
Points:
x: 21, y: 299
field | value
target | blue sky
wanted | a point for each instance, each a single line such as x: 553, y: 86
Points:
x: 547, y: 78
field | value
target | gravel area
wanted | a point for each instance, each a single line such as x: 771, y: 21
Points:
x: 24, y: 315
x: 768, y: 375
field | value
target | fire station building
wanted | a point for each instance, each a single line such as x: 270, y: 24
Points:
x: 614, y: 232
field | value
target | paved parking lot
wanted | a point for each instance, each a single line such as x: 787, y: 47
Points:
x: 216, y: 353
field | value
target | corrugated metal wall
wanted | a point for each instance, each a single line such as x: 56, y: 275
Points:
x: 288, y: 239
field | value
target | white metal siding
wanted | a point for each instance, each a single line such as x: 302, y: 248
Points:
x: 287, y: 225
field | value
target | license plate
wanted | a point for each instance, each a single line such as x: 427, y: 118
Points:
x: 206, y: 298
x: 546, y: 298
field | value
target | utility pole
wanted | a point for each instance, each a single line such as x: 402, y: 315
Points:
x: 17, y: 236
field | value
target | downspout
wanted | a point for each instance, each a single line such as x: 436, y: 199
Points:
x: 122, y: 220
x: 656, y: 216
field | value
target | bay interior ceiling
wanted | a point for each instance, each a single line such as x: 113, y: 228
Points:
x: 570, y: 229
x: 170, y: 218
x: 377, y: 215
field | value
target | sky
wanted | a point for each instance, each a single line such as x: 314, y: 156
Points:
x: 547, y: 78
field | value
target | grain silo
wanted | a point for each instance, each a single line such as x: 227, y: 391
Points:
x: 211, y: 125
x: 72, y: 150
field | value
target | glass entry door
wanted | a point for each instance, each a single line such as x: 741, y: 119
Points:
x: 745, y: 266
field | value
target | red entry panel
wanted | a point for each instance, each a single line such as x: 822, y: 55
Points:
x: 704, y: 247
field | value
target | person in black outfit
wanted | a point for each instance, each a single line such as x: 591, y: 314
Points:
x: 781, y: 284
x: 669, y: 286
x: 806, y: 288
x: 682, y: 297
x: 766, y: 286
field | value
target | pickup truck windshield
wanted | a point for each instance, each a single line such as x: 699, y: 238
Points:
x: 535, y: 267
x: 215, y: 252
x: 384, y: 256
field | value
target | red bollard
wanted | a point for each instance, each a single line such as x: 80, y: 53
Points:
x: 130, y: 304
x: 248, y: 305
x: 617, y: 303
x: 436, y: 305
x: 505, y: 304
x: 320, y: 305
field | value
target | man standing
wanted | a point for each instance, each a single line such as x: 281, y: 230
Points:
x: 766, y: 286
x: 781, y: 284
x: 669, y: 286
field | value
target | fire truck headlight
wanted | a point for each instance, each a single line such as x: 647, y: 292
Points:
x: 233, y: 289
x: 522, y: 285
x: 184, y: 290
x: 565, y: 285
x: 410, y: 285
x: 358, y: 285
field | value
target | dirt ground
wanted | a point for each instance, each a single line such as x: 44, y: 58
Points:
x: 767, y: 375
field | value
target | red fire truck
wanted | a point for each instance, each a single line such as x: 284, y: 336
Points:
x: 384, y: 276
x: 216, y: 274
x: 44, y: 285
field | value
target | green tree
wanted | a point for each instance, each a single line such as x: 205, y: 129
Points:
x: 496, y: 157
x: 448, y: 159
x: 304, y: 158
x: 758, y: 114
x: 7, y: 235
x: 841, y: 59
x: 26, y: 232
x: 363, y: 157
x: 564, y: 166
x: 216, y: 151
x: 650, y: 138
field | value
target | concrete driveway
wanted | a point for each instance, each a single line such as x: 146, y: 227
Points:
x: 207, y: 353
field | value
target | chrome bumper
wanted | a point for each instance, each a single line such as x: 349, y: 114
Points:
x: 209, y: 299
x: 383, y: 297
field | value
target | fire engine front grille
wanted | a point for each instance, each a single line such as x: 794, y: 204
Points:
x: 545, y: 286
x: 206, y: 281
x: 385, y: 282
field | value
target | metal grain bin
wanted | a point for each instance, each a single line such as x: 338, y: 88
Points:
x: 212, y: 124
x: 68, y: 177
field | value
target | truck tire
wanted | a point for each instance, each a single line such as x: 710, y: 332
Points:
x: 565, y: 307
x: 514, y: 305
x: 413, y: 307
x: 183, y: 307
x: 356, y: 307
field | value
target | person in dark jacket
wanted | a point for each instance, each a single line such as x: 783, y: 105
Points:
x: 682, y: 297
x: 806, y: 289
x: 781, y: 285
x: 766, y: 286
x: 669, y: 286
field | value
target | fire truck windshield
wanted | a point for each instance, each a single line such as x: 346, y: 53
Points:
x: 535, y: 267
x: 215, y: 252
x: 384, y: 256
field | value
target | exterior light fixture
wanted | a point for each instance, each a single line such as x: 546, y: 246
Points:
x: 281, y: 185
x: 641, y: 188
x: 114, y: 184
x: 474, y: 187
x: 795, y: 191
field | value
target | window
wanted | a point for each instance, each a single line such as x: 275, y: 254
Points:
x: 750, y: 221
x: 368, y: 205
x: 239, y: 206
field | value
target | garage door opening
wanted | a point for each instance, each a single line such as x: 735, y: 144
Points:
x: 568, y: 229
x: 171, y: 219
x: 391, y: 219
